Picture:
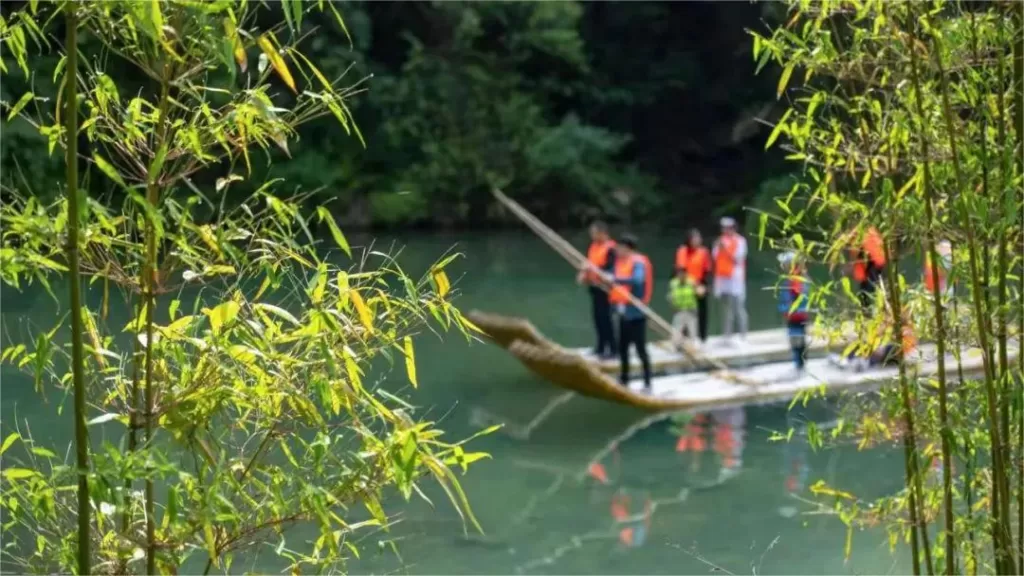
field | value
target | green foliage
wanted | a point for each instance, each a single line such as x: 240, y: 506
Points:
x: 543, y: 99
x: 251, y: 356
x: 900, y: 116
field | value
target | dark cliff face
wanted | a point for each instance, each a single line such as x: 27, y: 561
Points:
x: 690, y: 98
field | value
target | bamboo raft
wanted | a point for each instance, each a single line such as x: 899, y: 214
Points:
x: 702, y: 390
x: 760, y: 347
x: 578, y: 371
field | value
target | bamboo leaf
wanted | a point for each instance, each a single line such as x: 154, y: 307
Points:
x: 236, y: 43
x: 279, y: 312
x: 108, y: 169
x: 410, y: 361
x: 211, y: 542
x: 280, y: 66
x: 784, y: 79
x: 11, y: 439
x: 779, y: 127
x: 21, y: 103
x: 339, y: 238
x: 158, y: 164
x: 441, y: 280
x: 365, y: 317
x: 18, y: 473
x: 222, y: 314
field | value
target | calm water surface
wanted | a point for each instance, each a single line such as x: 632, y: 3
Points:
x: 665, y: 495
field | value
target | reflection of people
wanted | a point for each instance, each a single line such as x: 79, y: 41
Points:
x: 795, y: 470
x: 633, y: 275
x: 633, y: 528
x: 730, y: 257
x: 695, y: 259
x: 600, y: 256
x: 730, y: 424
x: 692, y: 441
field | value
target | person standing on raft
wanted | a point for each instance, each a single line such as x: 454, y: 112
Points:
x: 730, y: 260
x: 694, y: 259
x: 600, y: 258
x: 867, y: 257
x: 633, y: 275
x: 682, y: 295
x: 793, y: 306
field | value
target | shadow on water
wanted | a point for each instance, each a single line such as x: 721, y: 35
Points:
x: 579, y: 486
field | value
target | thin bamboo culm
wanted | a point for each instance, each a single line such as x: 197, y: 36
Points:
x: 75, y: 284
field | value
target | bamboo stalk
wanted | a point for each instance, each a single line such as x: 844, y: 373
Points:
x: 998, y: 476
x: 910, y: 464
x: 74, y: 281
x: 150, y: 271
x: 1006, y: 401
x: 1017, y: 31
x: 930, y: 239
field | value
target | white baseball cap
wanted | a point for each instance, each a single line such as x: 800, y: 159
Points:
x: 786, y: 258
x: 727, y: 222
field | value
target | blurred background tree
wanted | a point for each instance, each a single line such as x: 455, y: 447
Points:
x: 562, y: 103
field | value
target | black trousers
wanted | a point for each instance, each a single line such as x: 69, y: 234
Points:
x: 702, y: 317
x: 633, y: 331
x: 867, y: 287
x: 602, y: 312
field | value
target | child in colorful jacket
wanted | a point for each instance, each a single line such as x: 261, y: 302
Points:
x: 793, y: 305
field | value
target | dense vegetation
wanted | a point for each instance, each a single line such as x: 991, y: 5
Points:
x: 633, y: 110
x: 241, y: 404
x: 909, y: 117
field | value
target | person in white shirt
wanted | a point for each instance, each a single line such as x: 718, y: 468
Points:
x: 729, y: 256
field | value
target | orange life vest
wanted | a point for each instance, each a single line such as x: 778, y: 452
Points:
x: 929, y: 282
x: 696, y: 262
x: 872, y: 250
x: 624, y: 271
x: 724, y: 260
x: 597, y: 255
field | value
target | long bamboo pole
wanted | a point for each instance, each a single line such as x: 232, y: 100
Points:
x: 574, y: 257
x: 74, y: 277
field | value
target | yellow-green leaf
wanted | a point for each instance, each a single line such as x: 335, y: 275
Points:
x: 21, y: 103
x: 364, y: 312
x: 11, y: 438
x: 279, y: 312
x: 267, y: 45
x: 16, y: 473
x: 441, y: 279
x: 410, y: 361
x: 222, y: 314
x: 236, y: 43
x: 784, y: 80
x: 339, y: 238
x: 108, y: 169
x: 343, y: 291
x: 211, y: 543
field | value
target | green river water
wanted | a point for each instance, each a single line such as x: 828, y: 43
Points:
x: 728, y: 507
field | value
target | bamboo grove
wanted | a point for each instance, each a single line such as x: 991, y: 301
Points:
x: 241, y: 405
x: 907, y: 116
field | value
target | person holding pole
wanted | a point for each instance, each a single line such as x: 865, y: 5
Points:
x: 600, y: 258
x: 730, y: 261
x: 633, y: 275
